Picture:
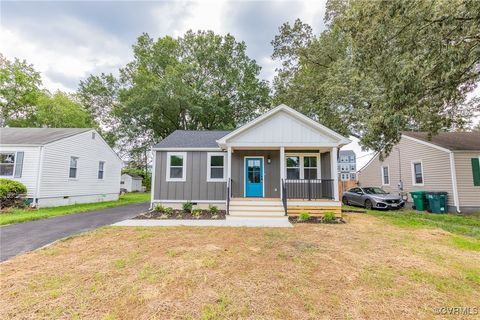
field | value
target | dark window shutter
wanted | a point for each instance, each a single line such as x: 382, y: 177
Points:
x: 18, y: 165
x: 476, y: 171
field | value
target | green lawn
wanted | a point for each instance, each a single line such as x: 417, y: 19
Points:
x: 464, y: 225
x: 23, y: 215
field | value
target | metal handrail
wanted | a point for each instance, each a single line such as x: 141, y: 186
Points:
x: 229, y: 194
x: 284, y: 196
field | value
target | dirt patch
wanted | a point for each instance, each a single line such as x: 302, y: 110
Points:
x: 296, y: 219
x: 182, y: 215
x: 365, y: 269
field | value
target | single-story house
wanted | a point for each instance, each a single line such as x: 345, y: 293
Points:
x: 280, y: 162
x: 60, y: 166
x: 449, y: 161
x: 131, y: 182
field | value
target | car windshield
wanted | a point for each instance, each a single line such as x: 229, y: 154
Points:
x: 374, y: 190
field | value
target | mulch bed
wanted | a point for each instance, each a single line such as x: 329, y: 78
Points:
x: 182, y: 215
x: 316, y: 220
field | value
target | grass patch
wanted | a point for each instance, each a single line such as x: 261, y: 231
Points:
x: 23, y: 215
x: 465, y: 243
x: 465, y: 225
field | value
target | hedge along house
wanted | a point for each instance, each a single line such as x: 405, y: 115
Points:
x: 60, y: 166
x: 280, y: 162
x: 448, y: 161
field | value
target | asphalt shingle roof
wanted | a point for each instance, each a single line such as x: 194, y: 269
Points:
x: 36, y: 136
x: 192, y: 139
x: 450, y: 140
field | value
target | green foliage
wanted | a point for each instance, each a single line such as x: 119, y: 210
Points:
x: 197, y: 212
x: 19, y: 89
x: 168, y: 211
x: 304, y: 216
x: 187, y: 206
x: 212, y: 209
x: 329, y: 217
x: 11, y: 192
x: 382, y: 67
x: 159, y: 208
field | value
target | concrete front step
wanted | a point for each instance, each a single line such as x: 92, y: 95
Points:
x: 259, y: 221
x: 257, y: 213
x: 256, y: 208
x: 256, y: 203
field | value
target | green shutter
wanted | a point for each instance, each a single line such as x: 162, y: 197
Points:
x: 476, y: 171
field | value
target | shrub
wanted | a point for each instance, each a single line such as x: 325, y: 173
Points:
x: 197, y: 213
x: 159, y: 208
x: 304, y: 216
x: 212, y: 209
x: 11, y: 193
x: 168, y: 211
x: 187, y: 206
x: 329, y: 217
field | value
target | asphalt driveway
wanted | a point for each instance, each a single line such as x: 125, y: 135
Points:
x: 23, y: 237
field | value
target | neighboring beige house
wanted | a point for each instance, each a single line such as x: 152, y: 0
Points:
x: 447, y: 162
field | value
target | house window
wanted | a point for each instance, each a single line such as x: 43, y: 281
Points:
x: 385, y: 175
x: 101, y: 168
x: 73, y: 167
x: 476, y: 171
x: 352, y: 167
x: 7, y: 163
x: 417, y: 173
x: 352, y: 176
x: 310, y: 167
x: 176, y: 166
x: 216, y: 167
x: 293, y: 167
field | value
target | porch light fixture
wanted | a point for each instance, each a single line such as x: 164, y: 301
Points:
x: 269, y: 160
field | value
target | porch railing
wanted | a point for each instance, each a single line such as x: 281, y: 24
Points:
x: 309, y: 189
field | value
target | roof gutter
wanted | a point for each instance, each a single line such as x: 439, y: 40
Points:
x: 453, y: 172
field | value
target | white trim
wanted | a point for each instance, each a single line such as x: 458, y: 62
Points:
x: 197, y: 201
x: 412, y: 165
x: 426, y: 143
x: 209, y: 155
x: 77, y: 167
x: 184, y: 167
x: 245, y: 176
x: 39, y: 176
x: 186, y: 149
x: 453, y: 173
x: 388, y: 173
x: 152, y: 187
x: 277, y: 145
x: 14, y: 163
x: 296, y: 114
x: 334, y: 170
x: 283, y: 169
x: 229, y: 162
x: 103, y: 169
x: 301, y: 167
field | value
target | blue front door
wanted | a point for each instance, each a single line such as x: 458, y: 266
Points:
x: 254, y: 177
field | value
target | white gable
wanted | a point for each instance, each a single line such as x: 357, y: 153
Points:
x: 283, y: 126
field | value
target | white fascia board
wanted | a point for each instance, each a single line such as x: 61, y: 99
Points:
x: 186, y: 149
x: 342, y: 140
x: 20, y: 145
x: 426, y: 143
x: 278, y: 145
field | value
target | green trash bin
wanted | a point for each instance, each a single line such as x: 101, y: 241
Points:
x: 437, y: 202
x: 420, y: 202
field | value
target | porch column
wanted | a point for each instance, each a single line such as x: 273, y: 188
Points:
x: 282, y: 169
x: 334, y: 170
x: 229, y: 167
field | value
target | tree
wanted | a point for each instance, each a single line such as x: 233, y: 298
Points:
x: 19, y: 89
x: 386, y: 66
x: 55, y: 111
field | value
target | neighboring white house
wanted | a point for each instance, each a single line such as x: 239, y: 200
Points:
x: 60, y: 166
x: 131, y: 182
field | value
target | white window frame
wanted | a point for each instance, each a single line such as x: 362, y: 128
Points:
x: 184, y: 167
x: 301, y: 167
x: 383, y: 175
x: 209, y: 166
x: 14, y: 163
x: 103, y: 170
x: 76, y: 172
x: 413, y: 173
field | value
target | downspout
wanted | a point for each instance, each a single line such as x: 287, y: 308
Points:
x: 39, y: 176
x: 454, y: 181
x: 152, y: 187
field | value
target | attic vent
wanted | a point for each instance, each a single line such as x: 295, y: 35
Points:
x: 93, y: 135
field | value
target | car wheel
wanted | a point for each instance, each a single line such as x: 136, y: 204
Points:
x: 368, y: 204
x: 345, y: 201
